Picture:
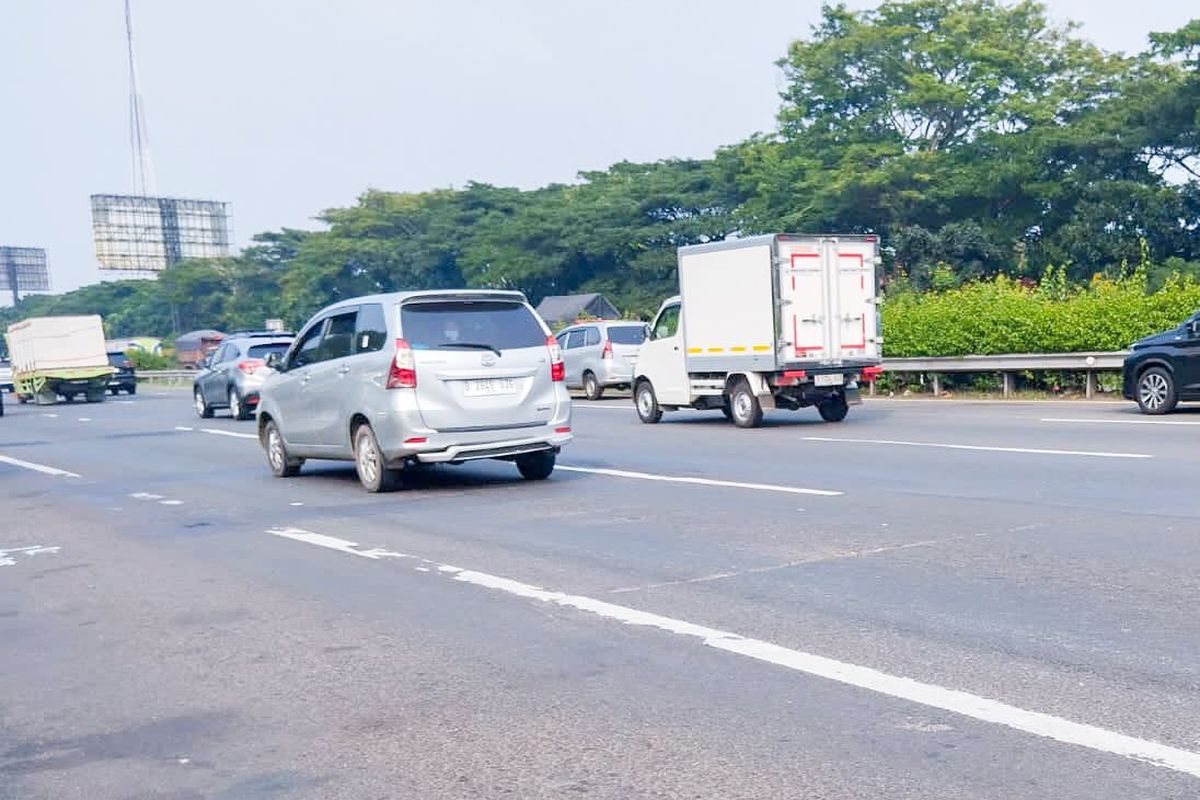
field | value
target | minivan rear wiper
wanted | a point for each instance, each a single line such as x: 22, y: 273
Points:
x: 471, y: 346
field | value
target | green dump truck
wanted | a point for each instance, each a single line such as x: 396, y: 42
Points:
x: 56, y: 357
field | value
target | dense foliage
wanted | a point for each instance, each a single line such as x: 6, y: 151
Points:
x: 970, y: 134
x: 1001, y: 315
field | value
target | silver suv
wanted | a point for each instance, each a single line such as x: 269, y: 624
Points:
x: 233, y: 375
x: 409, y: 378
x: 601, y: 354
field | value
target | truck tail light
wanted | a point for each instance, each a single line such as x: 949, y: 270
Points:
x: 403, y: 372
x: 558, y: 372
x: 249, y: 365
x: 789, y: 377
x: 607, y: 349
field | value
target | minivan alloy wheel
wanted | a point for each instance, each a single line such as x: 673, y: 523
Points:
x: 368, y: 460
x: 275, y: 448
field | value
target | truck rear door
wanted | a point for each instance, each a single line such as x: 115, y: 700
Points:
x: 827, y: 289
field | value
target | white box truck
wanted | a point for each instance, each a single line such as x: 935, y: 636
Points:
x: 777, y: 321
x: 54, y: 356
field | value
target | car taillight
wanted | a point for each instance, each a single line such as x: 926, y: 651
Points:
x: 607, y: 349
x: 249, y: 365
x: 403, y: 372
x: 557, y: 371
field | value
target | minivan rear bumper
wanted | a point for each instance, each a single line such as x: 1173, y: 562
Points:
x: 509, y: 449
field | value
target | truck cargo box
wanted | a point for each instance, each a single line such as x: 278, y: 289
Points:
x: 780, y: 301
x: 47, y: 345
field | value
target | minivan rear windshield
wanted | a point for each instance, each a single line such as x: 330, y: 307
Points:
x: 264, y: 350
x: 499, y: 324
x: 628, y: 334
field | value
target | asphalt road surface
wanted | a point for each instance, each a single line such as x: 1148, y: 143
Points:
x: 928, y: 600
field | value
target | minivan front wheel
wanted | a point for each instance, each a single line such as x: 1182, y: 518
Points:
x: 536, y: 466
x: 1156, y: 392
x: 371, y: 464
x: 282, y: 465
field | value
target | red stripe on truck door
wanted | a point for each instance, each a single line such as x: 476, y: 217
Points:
x: 800, y: 255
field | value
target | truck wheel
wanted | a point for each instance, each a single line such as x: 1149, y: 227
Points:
x: 201, y: 405
x: 69, y: 397
x: 1156, y: 392
x: 282, y: 465
x: 744, y: 406
x: 371, y: 464
x: 648, y: 409
x: 96, y: 396
x: 536, y: 466
x: 834, y: 409
x: 114, y: 391
x: 592, y: 387
x: 132, y: 389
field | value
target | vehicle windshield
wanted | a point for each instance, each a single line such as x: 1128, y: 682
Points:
x: 264, y: 350
x: 491, y: 324
x: 627, y: 334
x: 118, y: 360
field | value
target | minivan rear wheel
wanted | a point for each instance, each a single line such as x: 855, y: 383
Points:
x: 1156, y: 392
x: 536, y: 466
x: 371, y: 464
x: 592, y: 387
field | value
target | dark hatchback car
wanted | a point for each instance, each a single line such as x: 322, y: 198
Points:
x: 125, y: 378
x: 1164, y: 369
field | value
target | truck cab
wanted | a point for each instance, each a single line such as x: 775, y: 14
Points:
x: 779, y: 321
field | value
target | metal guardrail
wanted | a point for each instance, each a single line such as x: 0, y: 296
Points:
x: 1008, y: 364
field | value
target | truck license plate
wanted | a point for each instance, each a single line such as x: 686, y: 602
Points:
x: 489, y: 386
x: 828, y: 380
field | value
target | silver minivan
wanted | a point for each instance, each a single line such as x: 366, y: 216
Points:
x: 598, y: 355
x: 433, y: 377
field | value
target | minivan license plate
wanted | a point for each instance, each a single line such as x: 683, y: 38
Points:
x: 489, y: 386
x: 828, y: 380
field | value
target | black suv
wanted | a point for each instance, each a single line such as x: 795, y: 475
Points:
x: 125, y: 378
x: 1165, y: 368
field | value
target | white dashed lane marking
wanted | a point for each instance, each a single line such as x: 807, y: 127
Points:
x: 42, y: 468
x: 931, y: 695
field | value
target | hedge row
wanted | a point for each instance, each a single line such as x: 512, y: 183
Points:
x: 1005, y: 316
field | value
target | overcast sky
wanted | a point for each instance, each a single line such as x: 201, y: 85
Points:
x: 287, y: 107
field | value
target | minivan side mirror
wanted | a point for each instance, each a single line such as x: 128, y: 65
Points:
x: 275, y: 362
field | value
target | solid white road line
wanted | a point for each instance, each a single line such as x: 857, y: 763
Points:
x: 1030, y: 450
x: 1086, y: 421
x: 646, y: 476
x: 42, y: 468
x: 217, y: 432
x: 235, y: 434
x: 931, y: 695
x: 628, y: 408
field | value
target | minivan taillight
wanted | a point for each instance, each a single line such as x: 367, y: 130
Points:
x: 403, y: 372
x: 557, y: 371
x: 607, y: 349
